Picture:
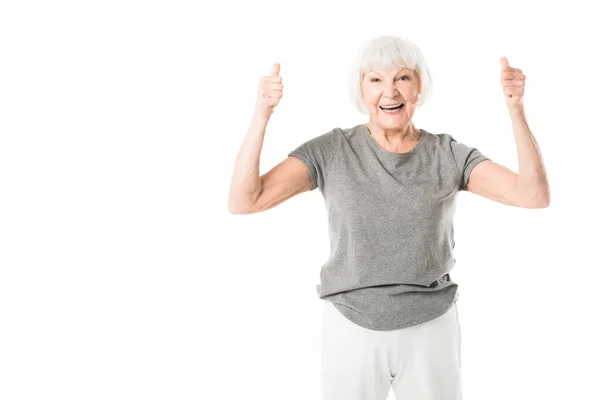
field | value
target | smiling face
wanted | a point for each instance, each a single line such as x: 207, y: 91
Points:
x: 389, y: 87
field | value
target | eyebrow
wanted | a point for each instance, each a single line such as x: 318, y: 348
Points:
x: 399, y: 71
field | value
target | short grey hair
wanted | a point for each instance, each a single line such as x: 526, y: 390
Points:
x: 388, y: 52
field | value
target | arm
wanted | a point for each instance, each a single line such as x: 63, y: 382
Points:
x: 529, y: 188
x: 245, y: 182
x: 287, y: 179
x: 251, y: 193
x: 532, y: 182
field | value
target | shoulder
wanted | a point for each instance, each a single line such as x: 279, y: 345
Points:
x: 327, y: 141
x: 328, y: 136
x: 438, y: 140
x: 447, y: 142
x: 441, y: 139
x: 335, y: 135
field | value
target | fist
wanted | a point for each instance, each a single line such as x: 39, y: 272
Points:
x: 270, y: 91
x: 513, y: 84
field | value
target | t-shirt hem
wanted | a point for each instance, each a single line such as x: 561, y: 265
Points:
x: 439, y: 308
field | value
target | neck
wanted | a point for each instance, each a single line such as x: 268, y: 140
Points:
x: 406, y: 134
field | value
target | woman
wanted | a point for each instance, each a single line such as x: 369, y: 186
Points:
x: 390, y: 315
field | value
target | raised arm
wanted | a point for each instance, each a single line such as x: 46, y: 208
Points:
x: 249, y: 192
x: 529, y: 188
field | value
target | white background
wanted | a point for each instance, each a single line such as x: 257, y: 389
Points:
x: 122, y: 274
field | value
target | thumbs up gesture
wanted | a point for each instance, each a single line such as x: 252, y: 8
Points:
x: 270, y: 91
x: 513, y: 84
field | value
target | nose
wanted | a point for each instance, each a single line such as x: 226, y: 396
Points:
x: 391, y: 91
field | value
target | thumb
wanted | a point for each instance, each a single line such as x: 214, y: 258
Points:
x: 503, y: 62
x: 275, y: 69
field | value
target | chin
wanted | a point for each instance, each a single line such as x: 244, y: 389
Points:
x: 396, y: 122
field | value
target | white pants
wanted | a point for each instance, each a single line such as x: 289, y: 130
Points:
x: 421, y: 362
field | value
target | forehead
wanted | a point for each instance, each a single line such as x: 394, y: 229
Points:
x: 382, y: 71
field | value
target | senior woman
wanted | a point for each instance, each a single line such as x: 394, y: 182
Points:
x: 390, y: 314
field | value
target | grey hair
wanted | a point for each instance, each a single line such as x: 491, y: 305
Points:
x: 388, y: 52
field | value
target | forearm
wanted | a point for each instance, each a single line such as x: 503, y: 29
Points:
x: 532, y: 180
x: 245, y: 182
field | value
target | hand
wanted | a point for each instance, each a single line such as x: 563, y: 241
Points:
x: 513, y: 84
x: 270, y: 91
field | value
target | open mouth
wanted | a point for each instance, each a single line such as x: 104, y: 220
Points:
x: 392, y: 110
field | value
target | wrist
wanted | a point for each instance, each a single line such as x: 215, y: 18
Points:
x: 516, y: 112
x: 260, y: 118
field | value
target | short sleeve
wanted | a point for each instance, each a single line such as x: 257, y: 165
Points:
x: 466, y: 159
x: 317, y: 154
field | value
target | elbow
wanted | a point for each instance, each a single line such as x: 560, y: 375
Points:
x: 236, y: 209
x: 239, y: 211
x: 236, y: 203
x: 239, y: 208
x: 232, y: 207
x: 233, y: 210
x: 545, y: 203
x: 536, y: 199
x: 544, y: 196
x: 541, y: 204
x: 241, y: 202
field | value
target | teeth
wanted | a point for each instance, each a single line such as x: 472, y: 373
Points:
x: 391, y: 106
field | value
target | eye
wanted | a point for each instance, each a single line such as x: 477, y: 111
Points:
x: 403, y: 76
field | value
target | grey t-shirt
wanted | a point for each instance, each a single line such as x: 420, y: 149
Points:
x: 390, y: 223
